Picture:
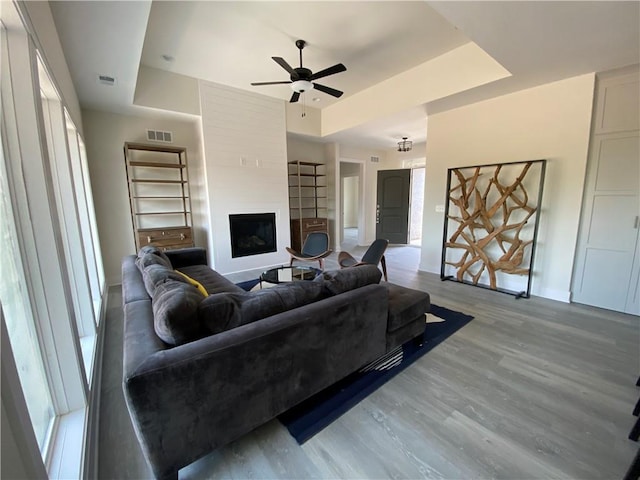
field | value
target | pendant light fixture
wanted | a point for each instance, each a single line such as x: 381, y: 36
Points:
x: 405, y: 145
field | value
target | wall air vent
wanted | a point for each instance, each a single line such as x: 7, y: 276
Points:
x: 159, y: 136
x: 106, y: 80
x: 375, y: 159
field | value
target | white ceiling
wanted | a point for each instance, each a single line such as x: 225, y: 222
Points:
x: 232, y: 42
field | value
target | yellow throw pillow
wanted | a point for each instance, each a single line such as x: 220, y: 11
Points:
x: 195, y: 283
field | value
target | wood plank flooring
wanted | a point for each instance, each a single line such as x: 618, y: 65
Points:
x: 531, y: 388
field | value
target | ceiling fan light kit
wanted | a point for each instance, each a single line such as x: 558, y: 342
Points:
x: 405, y: 145
x: 301, y: 79
x: 301, y: 86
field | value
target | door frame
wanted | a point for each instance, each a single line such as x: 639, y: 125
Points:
x: 339, y: 230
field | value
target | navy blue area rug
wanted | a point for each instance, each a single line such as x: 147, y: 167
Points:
x: 309, y: 417
x: 249, y: 284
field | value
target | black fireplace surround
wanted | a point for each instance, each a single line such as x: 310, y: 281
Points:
x: 252, y: 234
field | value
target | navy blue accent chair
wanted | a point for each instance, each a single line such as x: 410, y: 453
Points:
x: 315, y: 247
x: 373, y: 256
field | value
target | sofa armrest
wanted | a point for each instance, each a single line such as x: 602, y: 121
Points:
x: 188, y: 400
x: 185, y: 257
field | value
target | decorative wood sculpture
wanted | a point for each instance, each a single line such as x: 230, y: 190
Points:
x: 489, y: 212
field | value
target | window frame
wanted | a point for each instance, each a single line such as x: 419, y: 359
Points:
x: 40, y: 225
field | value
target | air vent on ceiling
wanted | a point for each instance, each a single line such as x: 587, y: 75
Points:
x: 106, y: 80
x: 375, y: 159
x: 159, y: 136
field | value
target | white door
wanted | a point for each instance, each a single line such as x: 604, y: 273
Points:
x: 607, y: 259
x: 610, y: 234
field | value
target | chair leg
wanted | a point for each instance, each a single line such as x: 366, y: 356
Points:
x: 383, y: 262
x: 635, y: 431
x: 321, y: 262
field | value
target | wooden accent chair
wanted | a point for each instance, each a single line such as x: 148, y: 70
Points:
x: 315, y: 247
x: 374, y: 256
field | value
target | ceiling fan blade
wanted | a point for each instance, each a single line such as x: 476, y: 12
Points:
x: 283, y: 63
x: 269, y: 83
x: 294, y: 97
x: 329, y: 90
x: 329, y: 71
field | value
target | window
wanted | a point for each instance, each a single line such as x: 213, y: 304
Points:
x: 19, y: 320
x: 52, y: 284
x: 87, y: 217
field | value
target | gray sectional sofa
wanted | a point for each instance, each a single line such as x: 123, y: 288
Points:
x: 206, y: 362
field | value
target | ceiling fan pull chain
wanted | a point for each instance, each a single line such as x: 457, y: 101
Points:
x: 304, y: 106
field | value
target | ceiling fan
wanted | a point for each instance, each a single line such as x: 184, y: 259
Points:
x: 302, y: 78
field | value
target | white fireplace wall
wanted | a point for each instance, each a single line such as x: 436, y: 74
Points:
x: 245, y: 151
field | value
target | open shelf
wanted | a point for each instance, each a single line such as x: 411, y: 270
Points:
x: 307, y: 209
x: 159, y: 195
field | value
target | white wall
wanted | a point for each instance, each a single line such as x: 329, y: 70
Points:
x: 350, y: 185
x: 299, y: 148
x: 244, y: 135
x: 309, y: 124
x: 105, y: 135
x: 551, y: 121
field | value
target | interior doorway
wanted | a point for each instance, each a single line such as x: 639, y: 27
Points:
x: 351, y: 218
x: 350, y: 209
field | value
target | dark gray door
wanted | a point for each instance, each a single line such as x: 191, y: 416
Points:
x: 392, y: 211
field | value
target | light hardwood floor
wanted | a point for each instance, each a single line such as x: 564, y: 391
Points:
x: 531, y: 388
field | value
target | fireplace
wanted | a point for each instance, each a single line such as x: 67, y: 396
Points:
x: 252, y: 234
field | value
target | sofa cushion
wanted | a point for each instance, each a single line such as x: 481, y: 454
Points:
x: 211, y: 280
x: 340, y: 281
x: 155, y: 250
x: 280, y: 298
x: 224, y: 311
x: 155, y: 274
x: 146, y: 259
x: 175, y: 312
x: 193, y: 282
x: 220, y: 312
x: 405, y: 306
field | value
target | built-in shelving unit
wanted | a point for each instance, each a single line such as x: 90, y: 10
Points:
x: 307, y: 200
x: 159, y: 197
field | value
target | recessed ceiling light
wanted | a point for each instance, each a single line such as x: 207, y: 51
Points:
x: 167, y: 58
x: 315, y: 99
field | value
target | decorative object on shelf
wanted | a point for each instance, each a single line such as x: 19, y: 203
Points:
x: 307, y: 200
x: 301, y: 79
x: 491, y: 224
x: 159, y: 195
x: 405, y: 145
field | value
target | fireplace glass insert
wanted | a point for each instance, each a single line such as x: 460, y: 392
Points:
x: 252, y: 234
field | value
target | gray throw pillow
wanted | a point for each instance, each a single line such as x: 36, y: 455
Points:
x: 220, y: 312
x: 175, y: 313
x: 152, y: 259
x: 155, y: 274
x: 340, y: 281
x: 224, y: 311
